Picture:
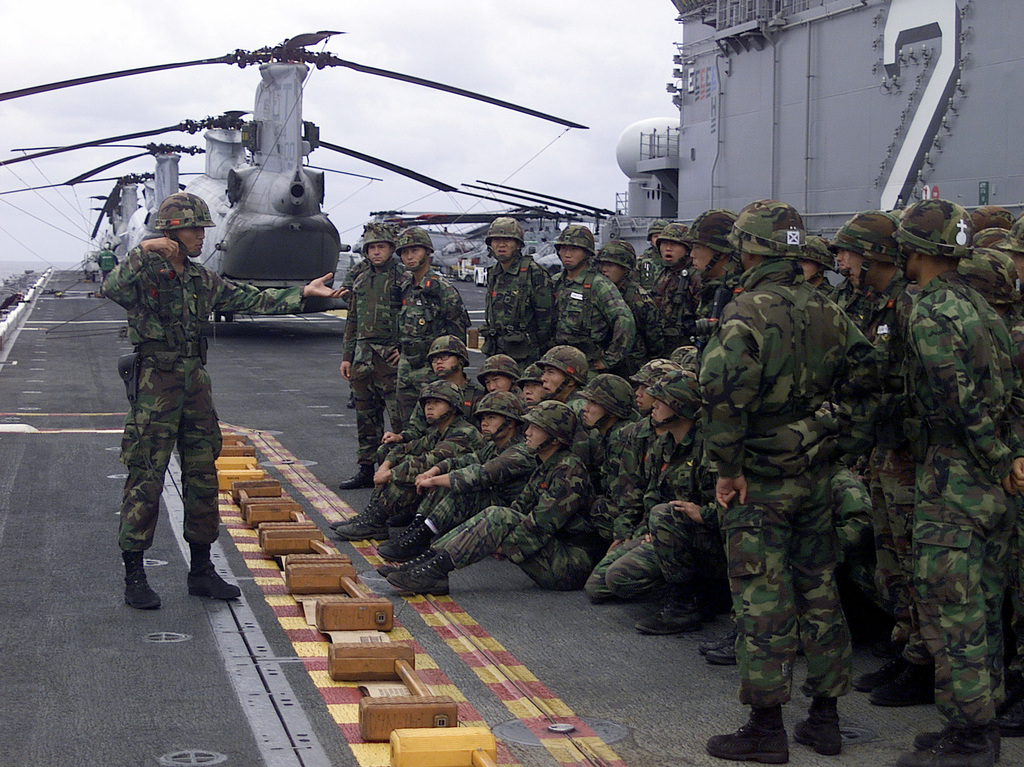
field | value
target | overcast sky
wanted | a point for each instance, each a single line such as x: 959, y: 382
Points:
x: 602, y: 63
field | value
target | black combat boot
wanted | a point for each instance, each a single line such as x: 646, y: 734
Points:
x: 397, y: 523
x: 371, y: 522
x: 429, y: 576
x: 362, y: 478
x: 915, y: 686
x: 762, y: 739
x: 137, y: 592
x: 387, y: 569
x: 715, y: 644
x: 1010, y: 719
x: 820, y: 730
x: 956, y: 747
x: 203, y: 580
x: 410, y: 544
x: 886, y: 674
x: 679, y: 614
x: 723, y: 652
x: 925, y: 741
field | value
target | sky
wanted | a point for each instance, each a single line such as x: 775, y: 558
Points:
x: 602, y: 63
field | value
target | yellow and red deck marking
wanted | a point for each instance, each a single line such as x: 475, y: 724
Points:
x: 526, y: 698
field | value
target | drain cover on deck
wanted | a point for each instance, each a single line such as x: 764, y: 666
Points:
x: 167, y: 637
x: 191, y: 757
x: 517, y: 731
x: 289, y: 462
x: 855, y: 733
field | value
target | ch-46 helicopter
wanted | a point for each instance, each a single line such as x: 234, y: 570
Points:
x: 265, y: 200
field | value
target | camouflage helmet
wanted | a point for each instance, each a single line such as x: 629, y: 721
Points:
x: 679, y: 391
x: 656, y: 227
x: 871, y: 234
x: 936, y: 228
x: 505, y: 226
x: 568, y: 359
x: 818, y: 252
x: 555, y: 418
x: 675, y: 232
x: 652, y: 370
x: 1014, y: 242
x: 611, y: 392
x: 989, y: 216
x: 711, y: 229
x: 530, y: 375
x: 618, y: 252
x: 993, y: 237
x: 413, y: 236
x: 687, y: 357
x: 500, y: 403
x: 769, y: 228
x: 377, y: 231
x: 499, y: 363
x: 992, y: 273
x: 182, y: 210
x: 445, y: 391
x: 448, y: 345
x: 578, y: 236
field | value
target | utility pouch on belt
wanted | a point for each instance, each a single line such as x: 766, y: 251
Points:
x: 917, y: 437
x: 128, y: 368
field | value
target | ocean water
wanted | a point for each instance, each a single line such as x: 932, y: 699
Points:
x: 10, y: 268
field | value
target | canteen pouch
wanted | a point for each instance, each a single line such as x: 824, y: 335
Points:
x: 128, y: 368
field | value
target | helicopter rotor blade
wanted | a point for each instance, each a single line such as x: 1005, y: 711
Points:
x: 327, y: 59
x: 106, y: 166
x: 229, y: 58
x: 439, y: 185
x: 227, y: 120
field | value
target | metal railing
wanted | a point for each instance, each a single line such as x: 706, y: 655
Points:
x: 657, y: 144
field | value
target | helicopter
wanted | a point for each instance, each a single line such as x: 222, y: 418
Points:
x: 265, y: 200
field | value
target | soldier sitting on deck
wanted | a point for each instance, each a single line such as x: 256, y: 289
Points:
x: 545, y: 532
x: 448, y: 434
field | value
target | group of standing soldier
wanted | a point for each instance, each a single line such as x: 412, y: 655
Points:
x: 797, y: 426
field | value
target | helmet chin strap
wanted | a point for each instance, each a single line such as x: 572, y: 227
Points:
x: 667, y: 421
x: 558, y: 390
x: 499, y: 431
x: 173, y: 235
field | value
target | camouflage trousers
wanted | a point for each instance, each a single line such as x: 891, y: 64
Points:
x: 373, y: 387
x: 962, y: 528
x: 174, y: 408
x: 410, y: 384
x: 677, y: 551
x: 892, y: 516
x: 781, y: 549
x: 1015, y: 581
x: 852, y: 513
x: 557, y: 565
x: 447, y: 509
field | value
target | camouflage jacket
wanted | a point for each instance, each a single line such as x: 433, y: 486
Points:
x: 675, y: 294
x: 431, y: 309
x: 712, y: 298
x: 781, y: 350
x: 519, y: 316
x: 885, y: 327
x: 593, y: 317
x: 650, y: 335
x: 373, y: 307
x: 472, y: 392
x: 620, y: 511
x: 649, y: 267
x: 504, y: 470
x: 856, y: 302
x: 553, y: 504
x: 410, y: 459
x: 1014, y: 321
x: 675, y: 471
x: 170, y: 308
x: 960, y: 373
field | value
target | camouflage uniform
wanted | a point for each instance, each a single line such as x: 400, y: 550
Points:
x: 371, y: 336
x: 520, y: 310
x: 430, y: 309
x: 649, y: 264
x: 174, y: 404
x: 545, y: 532
x: 961, y: 379
x: 470, y: 391
x: 650, y: 337
x: 711, y: 229
x: 780, y: 350
x: 591, y: 314
x: 675, y: 293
